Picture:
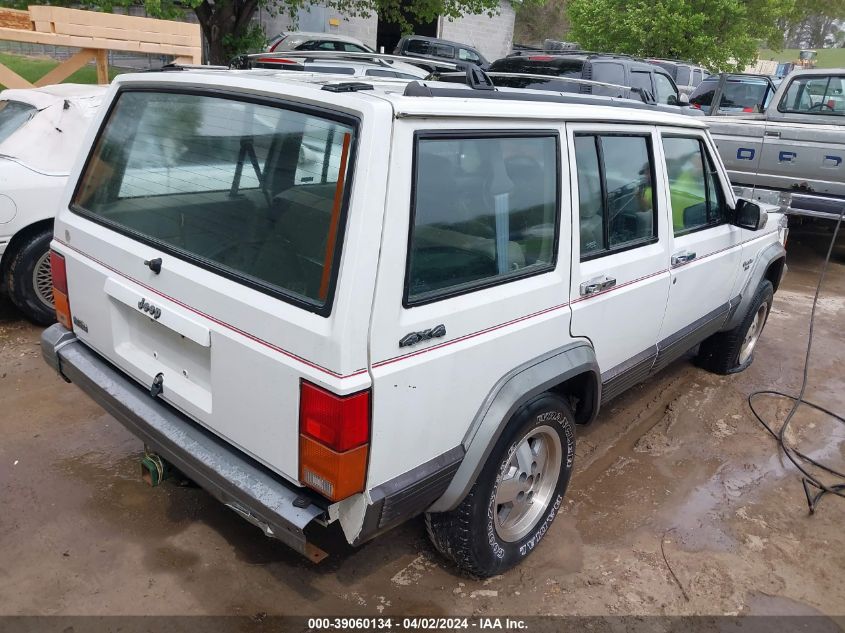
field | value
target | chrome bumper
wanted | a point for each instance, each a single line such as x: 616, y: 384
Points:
x: 279, y: 508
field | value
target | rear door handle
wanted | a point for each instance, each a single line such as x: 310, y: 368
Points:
x: 597, y: 284
x: 681, y: 258
x: 772, y: 134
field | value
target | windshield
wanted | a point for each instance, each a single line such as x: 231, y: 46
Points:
x: 13, y: 114
x: 252, y: 191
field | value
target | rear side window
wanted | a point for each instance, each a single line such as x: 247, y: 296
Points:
x: 697, y: 200
x: 616, y: 202
x: 484, y: 212
x: 609, y: 73
x: 13, y: 114
x: 252, y: 191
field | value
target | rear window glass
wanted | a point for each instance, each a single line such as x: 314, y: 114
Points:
x: 13, y: 114
x: 815, y: 95
x: 744, y: 94
x: 485, y: 212
x: 252, y: 191
x: 539, y: 65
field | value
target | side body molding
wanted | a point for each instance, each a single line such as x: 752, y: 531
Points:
x: 761, y: 263
x: 508, y: 394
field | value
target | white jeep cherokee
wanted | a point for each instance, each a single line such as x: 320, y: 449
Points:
x: 355, y: 303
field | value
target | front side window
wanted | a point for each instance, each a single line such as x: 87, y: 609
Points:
x: 617, y: 207
x: 465, y: 54
x: 816, y: 94
x: 697, y: 200
x: 13, y: 114
x: 642, y: 81
x: 252, y: 191
x: 484, y: 212
x: 666, y: 91
x: 683, y: 76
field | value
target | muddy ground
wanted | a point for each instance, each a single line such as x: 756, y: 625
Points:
x: 676, y: 473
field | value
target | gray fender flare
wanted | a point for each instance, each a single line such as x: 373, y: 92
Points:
x: 508, y: 394
x: 761, y: 264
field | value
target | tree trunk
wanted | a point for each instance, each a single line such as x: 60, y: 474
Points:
x: 226, y: 18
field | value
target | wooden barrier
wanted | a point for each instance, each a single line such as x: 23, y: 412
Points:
x: 95, y: 34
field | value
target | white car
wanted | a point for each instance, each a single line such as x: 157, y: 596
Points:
x: 41, y: 130
x: 305, y: 41
x: 409, y: 304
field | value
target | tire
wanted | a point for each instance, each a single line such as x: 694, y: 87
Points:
x: 728, y: 352
x: 484, y: 537
x: 29, y: 282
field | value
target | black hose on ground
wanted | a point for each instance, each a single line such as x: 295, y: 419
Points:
x: 814, y: 488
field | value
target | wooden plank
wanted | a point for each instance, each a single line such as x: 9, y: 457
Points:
x: 102, y: 67
x: 11, y: 79
x: 66, y: 68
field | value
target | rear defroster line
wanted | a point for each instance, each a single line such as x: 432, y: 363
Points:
x: 814, y: 488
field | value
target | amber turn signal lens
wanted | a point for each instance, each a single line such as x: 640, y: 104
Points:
x: 62, y: 308
x: 334, y: 475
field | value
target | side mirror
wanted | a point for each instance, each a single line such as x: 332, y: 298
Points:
x: 749, y: 215
x: 672, y: 100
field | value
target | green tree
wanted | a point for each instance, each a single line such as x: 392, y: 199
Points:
x: 228, y: 27
x: 721, y: 34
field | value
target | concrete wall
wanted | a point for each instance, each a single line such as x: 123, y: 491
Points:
x: 492, y: 36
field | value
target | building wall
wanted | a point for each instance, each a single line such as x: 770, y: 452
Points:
x: 492, y: 36
x: 320, y: 19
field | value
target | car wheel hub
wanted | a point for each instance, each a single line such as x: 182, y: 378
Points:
x: 42, y: 280
x: 753, y: 335
x: 526, y: 484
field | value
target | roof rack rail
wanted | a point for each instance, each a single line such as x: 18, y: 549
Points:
x: 247, y: 61
x: 624, y: 91
x: 423, y: 89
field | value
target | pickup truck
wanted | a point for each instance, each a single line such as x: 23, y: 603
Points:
x: 793, y: 153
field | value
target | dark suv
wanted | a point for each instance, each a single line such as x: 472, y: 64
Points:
x: 611, y: 69
x: 440, y: 50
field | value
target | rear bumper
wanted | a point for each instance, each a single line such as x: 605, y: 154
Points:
x: 240, y: 483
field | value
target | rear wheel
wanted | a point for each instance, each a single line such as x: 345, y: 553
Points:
x: 30, y: 280
x: 517, y: 495
x: 733, y: 351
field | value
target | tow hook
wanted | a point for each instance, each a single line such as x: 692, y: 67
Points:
x: 154, y: 469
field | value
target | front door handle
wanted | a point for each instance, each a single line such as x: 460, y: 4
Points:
x: 682, y: 257
x: 597, y: 284
x: 772, y: 134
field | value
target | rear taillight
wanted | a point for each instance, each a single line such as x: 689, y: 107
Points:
x: 60, y: 298
x: 333, y: 441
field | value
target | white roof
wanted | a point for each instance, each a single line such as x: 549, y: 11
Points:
x: 50, y: 141
x: 308, y: 86
x: 50, y: 95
